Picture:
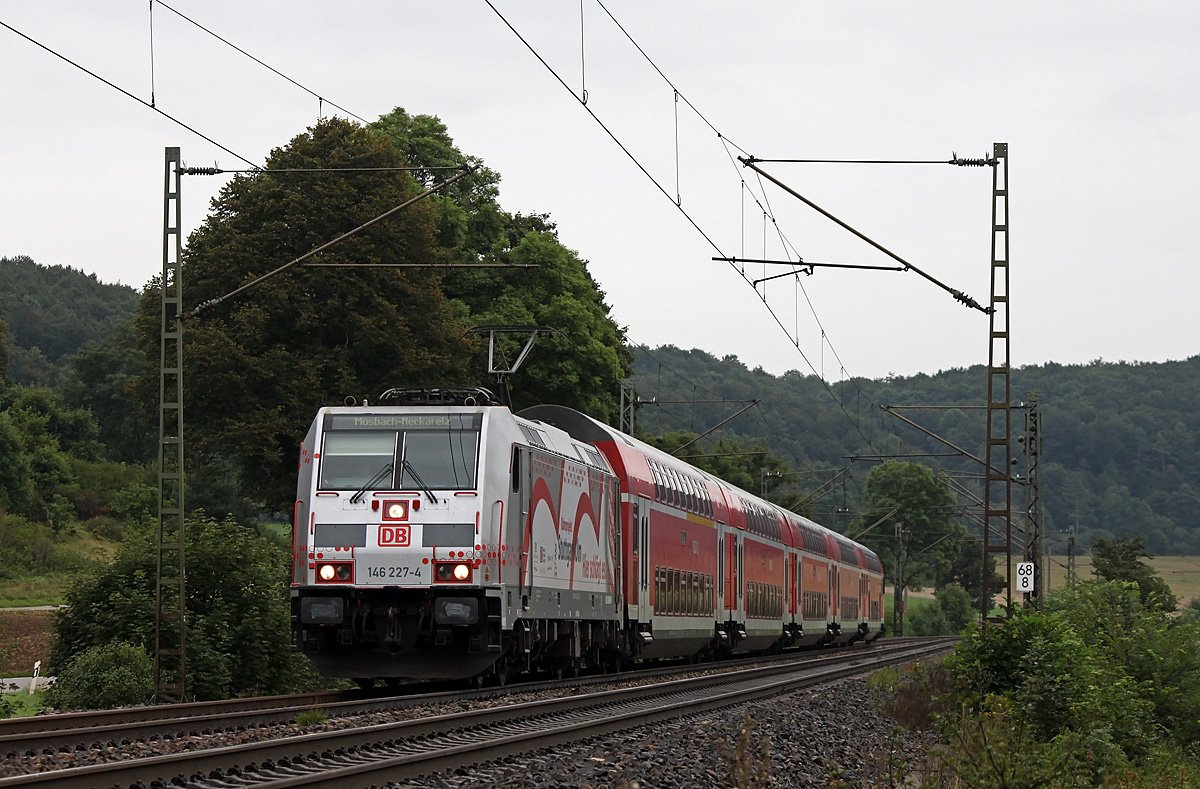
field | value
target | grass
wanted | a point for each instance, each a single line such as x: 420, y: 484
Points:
x: 74, y: 549
x: 22, y: 704
x: 310, y: 718
x: 41, y: 590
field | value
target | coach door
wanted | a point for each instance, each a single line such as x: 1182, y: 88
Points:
x: 738, y: 576
x: 641, y: 556
x: 835, y: 587
x: 793, y: 581
x: 523, y: 483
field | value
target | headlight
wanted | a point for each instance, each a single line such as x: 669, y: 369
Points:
x: 395, y: 510
x: 335, y: 572
x: 453, y: 572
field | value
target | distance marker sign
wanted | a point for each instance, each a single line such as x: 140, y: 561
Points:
x: 1025, y: 572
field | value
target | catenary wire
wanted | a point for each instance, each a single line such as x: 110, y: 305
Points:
x: 118, y: 88
x: 779, y: 322
x: 273, y: 70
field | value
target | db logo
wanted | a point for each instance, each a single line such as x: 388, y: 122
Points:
x: 393, y: 535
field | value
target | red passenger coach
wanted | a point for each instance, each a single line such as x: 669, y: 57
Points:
x: 777, y: 578
x: 437, y: 534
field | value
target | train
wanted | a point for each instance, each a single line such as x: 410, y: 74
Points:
x: 439, y: 535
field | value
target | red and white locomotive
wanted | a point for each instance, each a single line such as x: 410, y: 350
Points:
x: 439, y: 535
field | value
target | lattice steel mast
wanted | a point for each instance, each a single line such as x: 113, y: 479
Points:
x: 170, y: 623
x: 997, y: 498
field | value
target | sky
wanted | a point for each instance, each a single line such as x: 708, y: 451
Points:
x: 1099, y: 104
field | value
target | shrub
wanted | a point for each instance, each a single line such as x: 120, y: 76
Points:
x: 913, y: 695
x: 111, y: 675
x: 238, y: 635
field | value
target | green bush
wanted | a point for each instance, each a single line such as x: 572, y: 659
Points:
x: 946, y: 616
x: 238, y: 625
x: 1100, y: 689
x: 111, y: 675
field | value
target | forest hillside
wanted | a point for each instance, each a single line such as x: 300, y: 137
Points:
x: 1119, y: 449
x: 51, y: 311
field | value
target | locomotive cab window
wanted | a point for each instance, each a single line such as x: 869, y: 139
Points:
x: 349, y: 460
x: 389, y: 451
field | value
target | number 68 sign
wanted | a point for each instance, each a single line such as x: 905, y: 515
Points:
x: 1025, y: 576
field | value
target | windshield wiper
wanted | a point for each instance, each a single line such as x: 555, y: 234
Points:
x: 417, y: 478
x: 379, y: 475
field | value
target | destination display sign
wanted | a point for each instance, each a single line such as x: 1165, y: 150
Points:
x: 422, y: 421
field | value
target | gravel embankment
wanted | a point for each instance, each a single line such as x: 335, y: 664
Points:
x: 825, y: 737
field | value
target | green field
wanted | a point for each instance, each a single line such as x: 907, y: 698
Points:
x: 1182, y: 573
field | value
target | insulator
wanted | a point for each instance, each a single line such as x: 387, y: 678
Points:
x: 984, y: 162
x: 200, y: 171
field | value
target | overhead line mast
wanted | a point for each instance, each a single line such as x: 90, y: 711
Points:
x: 997, y: 498
x: 170, y: 623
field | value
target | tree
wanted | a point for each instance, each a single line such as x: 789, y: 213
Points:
x: 1120, y: 559
x: 100, y: 378
x: 259, y: 367
x: 41, y: 439
x: 966, y: 570
x: 908, y: 497
x: 583, y: 365
x: 951, y: 611
x: 925, y: 508
x: 237, y: 617
x: 3, y: 354
x: 1158, y: 653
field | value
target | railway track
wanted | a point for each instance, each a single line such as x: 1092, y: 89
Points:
x: 46, y: 734
x: 363, y: 755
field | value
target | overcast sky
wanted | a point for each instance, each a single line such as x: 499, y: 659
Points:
x: 1099, y: 104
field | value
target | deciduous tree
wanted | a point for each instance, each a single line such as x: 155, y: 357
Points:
x: 548, y: 284
x: 924, y: 507
x: 1120, y: 559
x: 259, y: 366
